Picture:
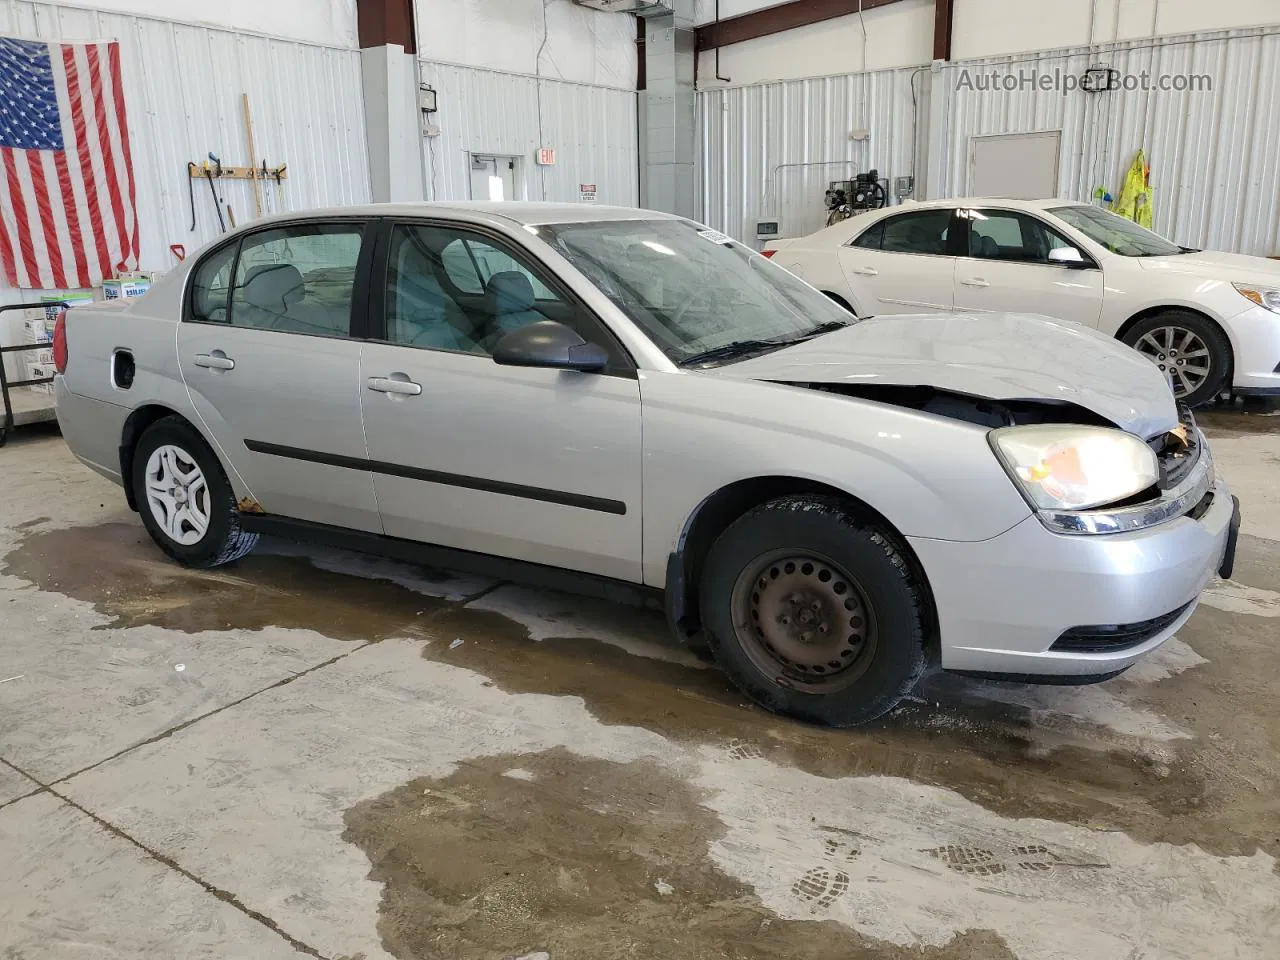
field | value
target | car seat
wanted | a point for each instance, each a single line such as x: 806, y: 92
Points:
x: 988, y: 249
x: 421, y: 313
x: 510, y: 305
x: 272, y: 299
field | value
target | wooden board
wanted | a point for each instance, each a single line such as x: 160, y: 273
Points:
x: 241, y: 173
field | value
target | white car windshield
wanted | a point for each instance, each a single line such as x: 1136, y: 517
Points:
x: 1116, y: 233
x: 698, y: 295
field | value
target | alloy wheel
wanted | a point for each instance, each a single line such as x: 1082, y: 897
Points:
x: 1182, y: 356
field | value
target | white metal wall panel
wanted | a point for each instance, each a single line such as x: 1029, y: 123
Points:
x: 183, y: 86
x: 591, y: 128
x: 1214, y: 156
x: 769, y: 150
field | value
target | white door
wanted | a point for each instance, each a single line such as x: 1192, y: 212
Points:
x: 1016, y: 166
x: 1008, y: 269
x: 493, y: 178
x: 902, y: 264
x: 533, y: 464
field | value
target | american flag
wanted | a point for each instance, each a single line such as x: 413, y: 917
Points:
x: 67, y: 212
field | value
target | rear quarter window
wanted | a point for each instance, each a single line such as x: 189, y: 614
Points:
x: 211, y: 286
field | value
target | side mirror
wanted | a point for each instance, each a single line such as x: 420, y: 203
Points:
x: 1067, y: 257
x: 549, y: 344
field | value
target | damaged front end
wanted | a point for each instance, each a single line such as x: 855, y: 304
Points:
x: 1181, y: 483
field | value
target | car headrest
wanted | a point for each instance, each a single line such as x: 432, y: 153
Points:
x: 987, y: 247
x: 509, y: 292
x: 271, y: 284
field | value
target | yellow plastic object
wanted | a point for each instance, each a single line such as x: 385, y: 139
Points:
x: 1136, y: 196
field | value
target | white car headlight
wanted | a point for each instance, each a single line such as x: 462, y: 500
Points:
x: 1064, y: 467
x: 1262, y: 296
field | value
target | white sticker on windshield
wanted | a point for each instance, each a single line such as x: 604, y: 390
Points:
x: 715, y: 236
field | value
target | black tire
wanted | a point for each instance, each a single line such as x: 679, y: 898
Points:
x: 890, y: 655
x: 1148, y: 336
x: 224, y: 540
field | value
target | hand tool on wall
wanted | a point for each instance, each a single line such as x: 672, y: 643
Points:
x: 217, y: 207
x: 192, y: 172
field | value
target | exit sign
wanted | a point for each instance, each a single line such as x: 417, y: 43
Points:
x: 546, y: 156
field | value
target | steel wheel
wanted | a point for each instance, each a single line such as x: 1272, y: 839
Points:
x: 177, y: 494
x: 801, y: 617
x: 1180, y: 354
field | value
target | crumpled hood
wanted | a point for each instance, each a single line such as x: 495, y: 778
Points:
x: 1234, y: 267
x: 998, y: 356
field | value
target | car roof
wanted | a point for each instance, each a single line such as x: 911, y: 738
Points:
x: 1011, y: 204
x: 515, y: 211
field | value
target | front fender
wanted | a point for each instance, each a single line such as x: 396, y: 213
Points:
x: 919, y: 471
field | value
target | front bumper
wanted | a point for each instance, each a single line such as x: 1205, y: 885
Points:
x: 1003, y: 603
x: 1255, y: 341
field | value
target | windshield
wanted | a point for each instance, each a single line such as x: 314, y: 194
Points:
x: 693, y: 291
x: 1115, y: 232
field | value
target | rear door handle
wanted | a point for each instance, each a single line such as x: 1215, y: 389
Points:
x: 867, y: 271
x: 405, y: 388
x: 217, y: 360
x: 975, y: 282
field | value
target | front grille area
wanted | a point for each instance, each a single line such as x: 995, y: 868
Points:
x: 1176, y: 458
x: 1115, y: 637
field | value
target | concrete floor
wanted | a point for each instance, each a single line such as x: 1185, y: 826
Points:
x: 323, y: 754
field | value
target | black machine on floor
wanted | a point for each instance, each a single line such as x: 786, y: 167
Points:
x: 866, y: 191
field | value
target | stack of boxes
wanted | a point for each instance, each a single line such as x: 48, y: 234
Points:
x: 39, y: 363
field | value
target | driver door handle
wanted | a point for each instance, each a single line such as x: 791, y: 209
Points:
x: 405, y: 388
x: 975, y: 282
x: 866, y: 271
x: 217, y: 360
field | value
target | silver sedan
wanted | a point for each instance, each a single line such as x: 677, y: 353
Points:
x: 629, y: 402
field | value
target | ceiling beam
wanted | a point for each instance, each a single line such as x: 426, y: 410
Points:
x: 943, y: 19
x: 784, y: 16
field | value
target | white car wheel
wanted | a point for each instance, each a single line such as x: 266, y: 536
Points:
x: 178, y: 494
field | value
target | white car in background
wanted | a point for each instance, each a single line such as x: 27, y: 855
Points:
x: 1211, y: 321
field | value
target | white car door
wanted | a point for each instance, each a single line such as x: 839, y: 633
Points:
x: 527, y: 463
x: 902, y: 264
x: 1008, y: 269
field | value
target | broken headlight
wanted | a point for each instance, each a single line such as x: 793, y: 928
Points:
x: 1061, y: 467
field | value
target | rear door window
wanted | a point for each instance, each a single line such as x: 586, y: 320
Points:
x: 923, y: 232
x: 297, y: 279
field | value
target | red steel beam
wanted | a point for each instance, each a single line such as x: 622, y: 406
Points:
x: 379, y: 22
x: 784, y: 16
x: 943, y: 18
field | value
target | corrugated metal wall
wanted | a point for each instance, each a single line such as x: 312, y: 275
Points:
x: 769, y: 150
x: 182, y: 90
x: 592, y: 128
x: 1214, y: 156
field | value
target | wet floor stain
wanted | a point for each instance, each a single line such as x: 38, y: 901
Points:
x: 586, y: 860
x: 120, y: 571
x: 1234, y: 424
x: 1214, y: 787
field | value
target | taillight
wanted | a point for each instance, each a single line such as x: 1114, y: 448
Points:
x: 768, y: 253
x: 60, y: 342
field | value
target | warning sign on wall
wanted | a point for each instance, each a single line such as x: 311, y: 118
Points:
x: 587, y: 192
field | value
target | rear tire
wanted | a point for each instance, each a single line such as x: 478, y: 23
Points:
x: 813, y: 613
x: 184, y: 498
x: 1191, y: 350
